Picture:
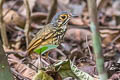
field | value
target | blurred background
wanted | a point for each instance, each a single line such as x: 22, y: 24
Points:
x: 77, y: 44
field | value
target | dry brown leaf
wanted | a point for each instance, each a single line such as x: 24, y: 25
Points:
x: 37, y: 17
x: 65, y: 2
x: 12, y: 17
x: 111, y: 37
x: 76, y: 21
x: 22, y: 10
x: 77, y: 34
x: 45, y: 3
x: 21, y: 68
x: 24, y: 70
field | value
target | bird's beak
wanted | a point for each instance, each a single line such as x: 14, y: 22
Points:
x: 74, y: 16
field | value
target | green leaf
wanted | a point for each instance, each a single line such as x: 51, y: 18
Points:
x: 42, y: 75
x: 45, y: 48
x: 68, y: 69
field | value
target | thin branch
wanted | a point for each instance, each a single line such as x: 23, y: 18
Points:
x: 115, y: 39
x: 28, y: 21
x: 2, y: 26
x: 100, y: 27
x: 53, y: 10
x: 20, y: 29
x: 102, y: 4
x: 59, y: 51
x: 90, y: 53
x: 18, y: 75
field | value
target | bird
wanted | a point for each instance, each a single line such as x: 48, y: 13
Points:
x: 52, y: 33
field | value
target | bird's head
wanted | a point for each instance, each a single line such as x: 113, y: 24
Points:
x: 61, y: 18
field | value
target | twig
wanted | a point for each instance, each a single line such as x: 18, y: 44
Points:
x: 54, y: 60
x: 46, y: 63
x: 59, y: 51
x: 20, y: 29
x: 74, y: 58
x: 102, y: 4
x: 96, y: 40
x: 18, y: 75
x: 90, y: 53
x: 28, y: 20
x: 3, y: 27
x: 53, y: 10
x: 38, y: 16
x: 88, y: 28
x: 116, y: 38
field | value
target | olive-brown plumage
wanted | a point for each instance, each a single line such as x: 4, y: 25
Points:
x: 52, y: 33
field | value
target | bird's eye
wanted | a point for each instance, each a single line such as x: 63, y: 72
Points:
x: 63, y: 17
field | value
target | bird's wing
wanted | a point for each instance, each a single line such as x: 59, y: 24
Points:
x: 40, y: 37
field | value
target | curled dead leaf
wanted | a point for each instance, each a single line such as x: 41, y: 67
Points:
x: 12, y: 17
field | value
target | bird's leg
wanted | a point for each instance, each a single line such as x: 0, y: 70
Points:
x: 47, y: 54
x: 40, y: 61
